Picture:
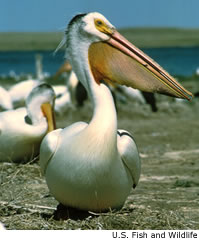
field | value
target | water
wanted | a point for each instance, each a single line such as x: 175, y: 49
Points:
x: 177, y: 61
x: 23, y: 62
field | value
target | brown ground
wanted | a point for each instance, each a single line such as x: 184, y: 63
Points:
x: 167, y: 196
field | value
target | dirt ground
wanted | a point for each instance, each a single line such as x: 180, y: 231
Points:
x: 167, y: 196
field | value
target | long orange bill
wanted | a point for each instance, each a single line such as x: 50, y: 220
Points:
x: 118, y: 60
x: 65, y: 67
x: 49, y: 114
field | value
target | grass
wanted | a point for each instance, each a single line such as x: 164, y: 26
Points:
x: 142, y: 37
x: 22, y: 41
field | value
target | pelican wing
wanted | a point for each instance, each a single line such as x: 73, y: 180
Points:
x: 129, y: 154
x: 48, y: 148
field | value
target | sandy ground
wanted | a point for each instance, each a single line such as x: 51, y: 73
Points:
x: 167, y: 196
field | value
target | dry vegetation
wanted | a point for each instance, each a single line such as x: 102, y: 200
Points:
x: 167, y: 196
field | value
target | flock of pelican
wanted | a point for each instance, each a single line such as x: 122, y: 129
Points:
x: 88, y: 166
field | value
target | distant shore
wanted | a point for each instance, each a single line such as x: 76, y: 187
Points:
x: 141, y: 37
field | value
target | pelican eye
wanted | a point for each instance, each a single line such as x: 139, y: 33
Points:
x: 99, y: 22
x: 102, y: 26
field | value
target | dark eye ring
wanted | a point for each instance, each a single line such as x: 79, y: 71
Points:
x: 99, y: 22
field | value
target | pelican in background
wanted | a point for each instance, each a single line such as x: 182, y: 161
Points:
x: 65, y: 93
x: 71, y: 79
x: 94, y: 166
x: 20, y: 91
x: 63, y: 99
x: 138, y: 96
x: 5, y: 100
x: 22, y: 130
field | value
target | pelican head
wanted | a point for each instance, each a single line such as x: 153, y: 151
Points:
x: 114, y: 59
x: 40, y: 104
x: 93, y: 27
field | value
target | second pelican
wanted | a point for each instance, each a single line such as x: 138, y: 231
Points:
x: 22, y: 130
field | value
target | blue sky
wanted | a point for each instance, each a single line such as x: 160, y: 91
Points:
x: 53, y: 15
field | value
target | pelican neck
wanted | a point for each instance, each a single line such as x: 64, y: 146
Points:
x: 104, y: 114
x: 104, y: 119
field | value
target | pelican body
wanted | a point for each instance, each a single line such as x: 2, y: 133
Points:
x: 5, y: 100
x: 22, y: 130
x: 93, y: 166
x: 20, y: 91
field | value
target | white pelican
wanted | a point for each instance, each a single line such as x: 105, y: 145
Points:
x: 21, y: 90
x: 22, y: 130
x: 72, y: 83
x: 63, y: 99
x: 5, y: 100
x: 94, y: 166
x: 71, y: 79
x: 132, y: 94
x: 137, y: 96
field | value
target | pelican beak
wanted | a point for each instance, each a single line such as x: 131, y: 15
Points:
x: 65, y: 67
x: 49, y: 114
x: 119, y: 61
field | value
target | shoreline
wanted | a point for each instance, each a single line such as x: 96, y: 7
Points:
x: 141, y: 37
